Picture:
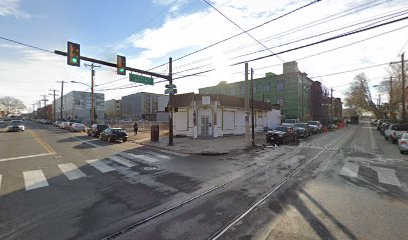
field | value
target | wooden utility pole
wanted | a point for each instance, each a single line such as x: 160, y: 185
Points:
x: 331, y: 104
x: 403, y: 87
x: 252, y: 107
x: 92, y: 90
x: 62, y: 98
x: 247, y: 137
x: 171, y: 107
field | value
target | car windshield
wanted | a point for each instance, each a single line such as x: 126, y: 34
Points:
x: 281, y: 128
x: 312, y: 123
x: 303, y: 125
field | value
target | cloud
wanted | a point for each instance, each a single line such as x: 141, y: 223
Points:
x: 12, y: 8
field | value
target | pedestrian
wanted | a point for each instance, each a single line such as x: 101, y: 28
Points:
x: 135, y: 128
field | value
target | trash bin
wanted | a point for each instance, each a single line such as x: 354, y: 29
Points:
x: 154, y: 133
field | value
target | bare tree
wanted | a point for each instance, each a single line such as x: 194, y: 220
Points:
x: 11, y: 105
x: 358, y: 96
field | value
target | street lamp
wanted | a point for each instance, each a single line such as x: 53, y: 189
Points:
x: 92, y: 102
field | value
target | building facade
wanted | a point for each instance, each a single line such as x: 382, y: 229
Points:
x: 143, y: 105
x: 76, y: 105
x: 215, y: 115
x: 291, y: 90
x: 113, y: 108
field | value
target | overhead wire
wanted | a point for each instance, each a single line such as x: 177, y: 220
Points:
x: 324, y: 40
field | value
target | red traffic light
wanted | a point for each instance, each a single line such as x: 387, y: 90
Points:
x: 121, y: 65
x: 73, y: 54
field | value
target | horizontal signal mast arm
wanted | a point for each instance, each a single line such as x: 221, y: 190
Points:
x: 115, y: 65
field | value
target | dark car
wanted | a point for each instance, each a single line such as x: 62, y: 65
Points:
x: 282, y: 135
x: 96, y: 129
x: 113, y: 134
x: 303, y: 129
x: 383, y: 127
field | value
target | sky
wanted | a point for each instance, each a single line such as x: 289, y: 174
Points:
x: 149, y: 32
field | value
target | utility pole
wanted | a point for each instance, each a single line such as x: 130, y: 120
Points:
x: 331, y: 105
x: 302, y: 99
x: 62, y: 98
x: 92, y: 90
x: 252, y: 108
x: 45, y: 105
x: 247, y: 138
x: 403, y: 87
x: 53, y: 104
x: 171, y: 108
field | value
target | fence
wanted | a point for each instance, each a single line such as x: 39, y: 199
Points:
x: 143, y: 126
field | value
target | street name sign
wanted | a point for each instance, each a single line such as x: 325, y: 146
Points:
x: 141, y: 79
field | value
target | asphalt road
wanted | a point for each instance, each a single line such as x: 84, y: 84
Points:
x: 348, y: 184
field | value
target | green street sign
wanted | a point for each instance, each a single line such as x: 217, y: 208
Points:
x: 141, y: 79
x: 171, y: 86
x: 170, y: 90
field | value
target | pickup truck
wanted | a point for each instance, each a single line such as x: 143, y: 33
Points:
x: 395, y: 131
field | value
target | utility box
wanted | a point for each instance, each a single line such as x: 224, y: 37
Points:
x: 154, y: 133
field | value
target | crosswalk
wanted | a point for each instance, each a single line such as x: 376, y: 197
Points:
x: 37, y: 178
x: 385, y: 175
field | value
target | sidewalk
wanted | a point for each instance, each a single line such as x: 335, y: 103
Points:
x: 202, y: 146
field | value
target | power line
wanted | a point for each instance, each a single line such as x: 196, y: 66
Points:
x: 387, y: 17
x: 26, y: 45
x: 239, y: 34
x: 243, y: 30
x: 315, y: 23
x: 352, y: 70
x: 325, y: 40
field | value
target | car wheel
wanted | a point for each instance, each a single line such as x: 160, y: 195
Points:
x: 125, y: 139
x: 109, y: 139
x: 100, y: 137
x: 402, y: 152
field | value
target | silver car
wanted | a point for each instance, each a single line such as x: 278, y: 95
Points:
x: 403, y: 143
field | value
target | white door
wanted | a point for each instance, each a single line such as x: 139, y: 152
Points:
x: 205, y: 124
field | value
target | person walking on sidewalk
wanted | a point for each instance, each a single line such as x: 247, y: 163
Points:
x: 135, y: 128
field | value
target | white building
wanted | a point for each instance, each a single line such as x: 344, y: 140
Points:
x: 213, y: 115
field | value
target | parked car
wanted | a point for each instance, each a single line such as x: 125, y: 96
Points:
x: 57, y: 123
x: 379, y: 122
x: 383, y: 127
x: 292, y: 121
x: 77, y: 127
x: 304, y: 130
x: 282, y: 135
x: 403, y: 143
x: 16, y: 126
x: 64, y: 125
x: 96, y: 129
x: 397, y: 131
x: 316, y: 126
x: 374, y: 122
x: 114, y: 134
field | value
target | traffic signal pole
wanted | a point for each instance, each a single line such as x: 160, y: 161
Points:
x: 92, y: 91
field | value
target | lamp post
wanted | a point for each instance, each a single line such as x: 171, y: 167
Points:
x: 92, y: 102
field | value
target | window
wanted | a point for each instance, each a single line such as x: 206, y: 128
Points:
x: 222, y: 92
x: 242, y: 90
x: 77, y: 102
x: 280, y: 86
x: 233, y: 92
x: 267, y: 87
x: 280, y: 101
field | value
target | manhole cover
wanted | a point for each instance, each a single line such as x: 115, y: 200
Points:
x: 150, y: 168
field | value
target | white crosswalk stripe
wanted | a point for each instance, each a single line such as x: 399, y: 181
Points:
x: 34, y: 179
x: 71, y: 171
x: 101, y: 166
x: 144, y: 158
x: 387, y: 176
x: 350, y: 169
x: 160, y: 155
x: 122, y: 161
x: 173, y: 153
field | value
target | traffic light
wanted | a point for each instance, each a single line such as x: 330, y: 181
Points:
x: 73, y: 54
x: 121, y: 65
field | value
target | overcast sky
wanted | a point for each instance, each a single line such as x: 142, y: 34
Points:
x: 148, y: 32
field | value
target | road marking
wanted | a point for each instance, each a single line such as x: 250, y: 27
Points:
x: 160, y: 155
x: 173, y: 153
x: 144, y: 158
x: 101, y: 166
x: 34, y: 179
x: 71, y: 171
x: 89, y: 143
x: 350, y: 169
x: 387, y: 176
x: 47, y: 147
x: 372, y: 139
x: 28, y: 156
x: 122, y: 161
